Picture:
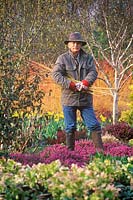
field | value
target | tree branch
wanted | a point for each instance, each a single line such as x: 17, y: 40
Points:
x: 125, y: 69
x: 131, y: 55
x: 121, y: 38
x: 100, y: 48
x: 109, y: 40
x: 124, y: 81
x: 106, y: 80
x: 126, y: 48
x: 118, y: 33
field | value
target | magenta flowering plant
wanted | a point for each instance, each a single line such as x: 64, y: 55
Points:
x: 84, y: 151
x: 120, y: 130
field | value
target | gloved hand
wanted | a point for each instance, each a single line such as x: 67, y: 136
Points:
x: 79, y: 86
x: 85, y: 85
x: 72, y: 86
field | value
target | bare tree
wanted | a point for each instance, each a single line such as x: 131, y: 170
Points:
x: 117, y: 51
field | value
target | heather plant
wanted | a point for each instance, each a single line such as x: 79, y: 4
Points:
x: 120, y: 130
x: 84, y: 151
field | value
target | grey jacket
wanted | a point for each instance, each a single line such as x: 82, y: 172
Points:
x: 65, y: 70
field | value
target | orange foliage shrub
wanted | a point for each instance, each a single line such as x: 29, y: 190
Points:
x: 51, y: 101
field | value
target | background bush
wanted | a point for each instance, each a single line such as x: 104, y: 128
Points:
x: 120, y: 130
x: 17, y: 94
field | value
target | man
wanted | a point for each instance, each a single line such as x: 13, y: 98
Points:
x: 75, y: 72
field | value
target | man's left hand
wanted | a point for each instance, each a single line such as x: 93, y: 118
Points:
x: 85, y: 85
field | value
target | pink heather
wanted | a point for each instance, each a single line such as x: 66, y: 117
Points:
x: 80, y: 156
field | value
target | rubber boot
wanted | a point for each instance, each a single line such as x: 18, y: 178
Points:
x: 70, y: 141
x: 97, y: 140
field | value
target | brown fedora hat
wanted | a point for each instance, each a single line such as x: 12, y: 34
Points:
x: 75, y: 37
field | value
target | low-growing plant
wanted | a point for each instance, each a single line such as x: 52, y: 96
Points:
x: 40, y: 130
x: 94, y: 181
x: 104, y: 116
x: 130, y: 142
x: 25, y: 182
x: 120, y: 130
x: 50, y: 129
x: 105, y: 177
x: 84, y: 150
x: 106, y: 138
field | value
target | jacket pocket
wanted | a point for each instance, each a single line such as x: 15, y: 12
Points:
x: 70, y: 67
x: 71, y: 71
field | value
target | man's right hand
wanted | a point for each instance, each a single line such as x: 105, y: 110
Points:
x: 72, y: 86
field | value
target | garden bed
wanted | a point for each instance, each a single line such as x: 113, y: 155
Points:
x: 102, y: 177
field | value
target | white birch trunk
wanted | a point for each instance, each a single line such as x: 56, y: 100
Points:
x: 115, y: 97
x: 115, y: 107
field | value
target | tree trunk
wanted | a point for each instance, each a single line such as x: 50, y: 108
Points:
x: 115, y: 98
x: 115, y: 107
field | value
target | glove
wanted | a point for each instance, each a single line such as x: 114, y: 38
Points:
x: 79, y: 86
x: 72, y: 86
x: 85, y: 84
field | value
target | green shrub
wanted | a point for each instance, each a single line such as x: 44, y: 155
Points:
x: 17, y: 94
x: 103, y: 178
x: 95, y: 181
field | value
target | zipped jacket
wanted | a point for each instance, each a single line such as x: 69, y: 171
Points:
x: 66, y: 69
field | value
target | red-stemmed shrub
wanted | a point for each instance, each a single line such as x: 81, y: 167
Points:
x: 61, y: 137
x: 121, y: 131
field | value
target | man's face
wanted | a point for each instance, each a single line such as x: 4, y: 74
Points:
x: 74, y: 47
